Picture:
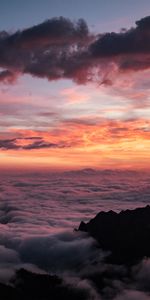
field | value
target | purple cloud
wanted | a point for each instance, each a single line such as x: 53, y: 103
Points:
x: 59, y: 48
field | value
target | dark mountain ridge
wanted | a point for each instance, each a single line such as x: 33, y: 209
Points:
x: 125, y: 234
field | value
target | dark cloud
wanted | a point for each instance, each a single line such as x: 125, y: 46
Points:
x: 14, y: 144
x: 8, y: 144
x: 56, y: 31
x: 42, y: 50
x: 59, y: 48
x: 39, y: 144
x: 129, y: 49
x: 133, y: 41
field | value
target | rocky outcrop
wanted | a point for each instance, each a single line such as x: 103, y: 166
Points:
x: 125, y: 234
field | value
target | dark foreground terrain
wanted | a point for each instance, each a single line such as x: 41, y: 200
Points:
x: 125, y: 234
x: 124, y: 273
x: 28, y: 285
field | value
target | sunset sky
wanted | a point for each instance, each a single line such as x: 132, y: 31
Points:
x: 75, y: 84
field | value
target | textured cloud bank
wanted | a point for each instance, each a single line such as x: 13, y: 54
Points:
x: 59, y: 48
x: 38, y: 213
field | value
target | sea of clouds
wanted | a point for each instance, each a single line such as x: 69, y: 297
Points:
x: 38, y: 214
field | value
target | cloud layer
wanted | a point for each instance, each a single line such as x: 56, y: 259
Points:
x: 38, y: 212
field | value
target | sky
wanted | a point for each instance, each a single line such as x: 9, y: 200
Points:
x: 74, y: 84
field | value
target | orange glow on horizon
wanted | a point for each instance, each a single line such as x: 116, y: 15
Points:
x: 115, y: 144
